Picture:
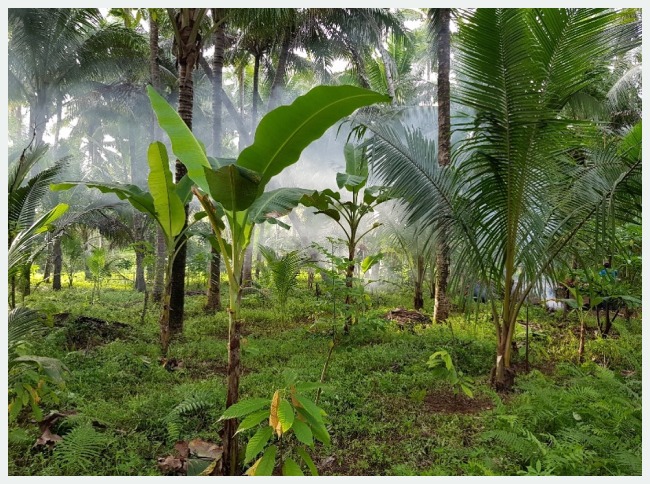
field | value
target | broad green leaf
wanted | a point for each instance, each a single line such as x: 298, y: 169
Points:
x: 310, y: 407
x: 245, y: 407
x: 370, y: 261
x: 291, y: 468
x: 310, y: 463
x: 141, y: 200
x: 303, y: 432
x: 184, y: 189
x: 217, y: 163
x: 169, y: 208
x: 232, y: 186
x: 285, y: 132
x: 252, y: 420
x: 258, y: 442
x: 317, y: 427
x: 267, y: 463
x: 50, y: 366
x: 276, y: 203
x: 350, y: 182
x: 184, y: 145
x: 286, y: 415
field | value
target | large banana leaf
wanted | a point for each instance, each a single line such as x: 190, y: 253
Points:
x: 280, y: 138
x: 141, y: 200
x: 276, y: 203
x: 168, y: 205
x: 233, y: 186
x: 184, y: 144
x: 285, y: 132
x: 356, y: 168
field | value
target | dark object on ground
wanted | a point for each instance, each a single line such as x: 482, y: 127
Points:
x: 404, y: 318
x: 86, y: 332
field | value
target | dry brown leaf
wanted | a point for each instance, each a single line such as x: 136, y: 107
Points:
x: 45, y: 426
x: 172, y: 465
x: 182, y: 448
x: 274, y: 420
x: 204, y: 449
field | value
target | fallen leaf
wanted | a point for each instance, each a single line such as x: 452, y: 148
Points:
x: 206, y: 450
x: 182, y: 448
x: 172, y: 465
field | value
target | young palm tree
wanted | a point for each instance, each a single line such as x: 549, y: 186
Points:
x: 519, y: 196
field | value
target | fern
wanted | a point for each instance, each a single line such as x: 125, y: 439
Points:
x: 284, y: 272
x: 81, y: 449
x: 193, y: 404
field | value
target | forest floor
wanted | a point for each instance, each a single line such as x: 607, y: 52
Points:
x: 387, y: 415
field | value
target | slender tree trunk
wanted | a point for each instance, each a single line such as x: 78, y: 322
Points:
x: 213, y: 302
x: 581, y: 345
x: 441, y: 307
x: 229, y: 439
x: 25, y: 278
x: 418, y: 300
x: 349, y: 274
x: 48, y: 260
x: 137, y: 172
x: 360, y: 66
x: 256, y: 91
x: 280, y: 73
x: 57, y: 262
x: 187, y: 58
x: 161, y: 250
x: 240, y: 80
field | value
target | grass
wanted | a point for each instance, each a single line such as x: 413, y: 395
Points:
x: 384, y: 407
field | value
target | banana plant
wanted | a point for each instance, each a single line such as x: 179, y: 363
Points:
x: 232, y: 192
x: 164, y: 203
x: 349, y: 214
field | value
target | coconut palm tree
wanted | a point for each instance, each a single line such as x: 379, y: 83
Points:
x: 519, y: 195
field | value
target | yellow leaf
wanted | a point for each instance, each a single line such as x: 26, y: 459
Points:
x: 251, y: 470
x: 274, y: 420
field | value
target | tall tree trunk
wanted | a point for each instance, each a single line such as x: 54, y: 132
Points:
x: 137, y: 172
x: 418, y: 299
x: 349, y: 274
x: 187, y: 59
x: 57, y: 262
x: 161, y: 251
x: 213, y: 302
x: 581, y: 345
x: 280, y: 73
x: 25, y: 278
x: 48, y: 260
x: 240, y: 80
x: 441, y: 307
x: 256, y: 91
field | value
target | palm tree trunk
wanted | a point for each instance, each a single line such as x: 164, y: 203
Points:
x: 256, y: 91
x: 418, y: 299
x: 441, y: 307
x: 240, y: 80
x: 57, y: 262
x: 48, y: 260
x: 213, y: 302
x: 187, y: 59
x: 137, y: 173
x: 279, y: 80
